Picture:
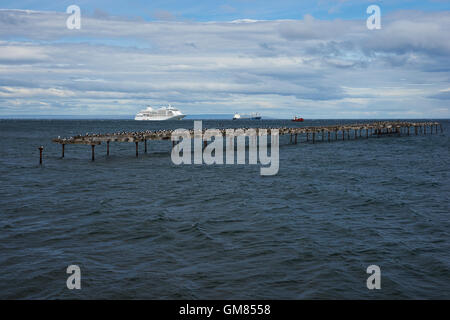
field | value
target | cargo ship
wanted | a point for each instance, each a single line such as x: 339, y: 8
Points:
x: 251, y: 116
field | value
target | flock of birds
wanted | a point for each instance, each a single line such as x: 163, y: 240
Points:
x: 166, y: 134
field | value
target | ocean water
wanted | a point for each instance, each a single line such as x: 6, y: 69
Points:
x: 146, y: 228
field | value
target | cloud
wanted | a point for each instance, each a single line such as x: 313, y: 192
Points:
x: 10, y: 54
x: 442, y: 95
x: 311, y: 67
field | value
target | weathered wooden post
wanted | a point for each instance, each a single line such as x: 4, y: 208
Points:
x: 137, y: 148
x: 41, y: 148
x: 107, y: 148
x: 93, y: 152
x: 336, y: 134
x: 296, y: 138
x: 415, y: 130
x: 343, y: 134
x: 367, y: 133
x: 307, y: 136
x: 290, y: 138
x: 424, y: 129
x: 323, y: 135
x: 440, y: 125
x: 356, y: 132
x: 328, y: 133
x: 145, y: 145
x: 62, y: 150
x: 314, y: 136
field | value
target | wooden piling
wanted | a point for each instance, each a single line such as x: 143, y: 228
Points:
x: 314, y: 136
x: 93, y: 152
x: 296, y: 138
x: 137, y: 149
x: 62, y: 150
x: 41, y: 148
x: 107, y: 148
x: 145, y: 145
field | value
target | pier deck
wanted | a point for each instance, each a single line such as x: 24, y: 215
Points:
x: 328, y: 133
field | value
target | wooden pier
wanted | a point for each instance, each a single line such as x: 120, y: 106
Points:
x: 310, y: 134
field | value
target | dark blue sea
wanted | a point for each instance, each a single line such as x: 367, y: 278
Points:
x: 145, y: 228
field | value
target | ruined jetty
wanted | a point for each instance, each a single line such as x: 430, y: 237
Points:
x: 309, y: 134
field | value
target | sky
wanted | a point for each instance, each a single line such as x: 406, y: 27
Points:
x: 315, y: 59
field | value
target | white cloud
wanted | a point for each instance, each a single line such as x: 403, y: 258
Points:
x: 310, y: 67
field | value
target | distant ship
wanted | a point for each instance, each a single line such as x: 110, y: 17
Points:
x: 296, y: 119
x: 164, y: 113
x: 252, y: 116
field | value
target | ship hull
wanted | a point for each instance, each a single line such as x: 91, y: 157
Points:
x: 253, y: 118
x: 162, y: 118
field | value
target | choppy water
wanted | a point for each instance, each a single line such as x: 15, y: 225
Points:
x: 145, y: 228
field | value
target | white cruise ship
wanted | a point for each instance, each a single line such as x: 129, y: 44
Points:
x: 164, y: 113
